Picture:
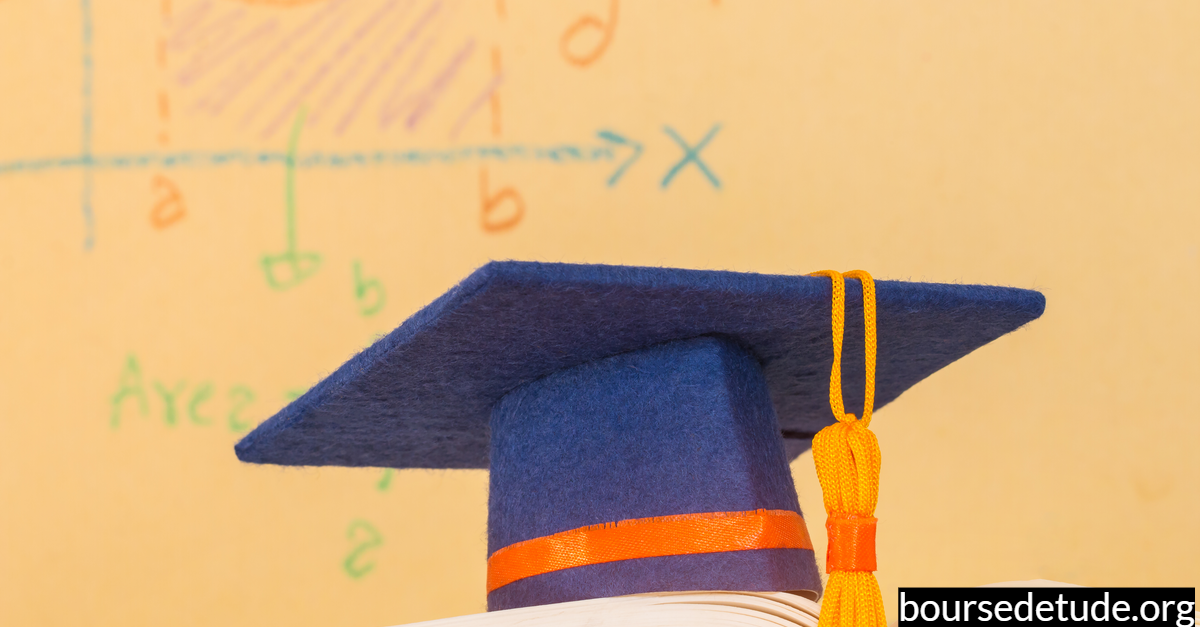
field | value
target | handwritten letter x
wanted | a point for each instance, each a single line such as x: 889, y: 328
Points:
x: 691, y: 155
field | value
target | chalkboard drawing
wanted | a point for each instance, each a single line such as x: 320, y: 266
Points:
x: 586, y: 23
x: 293, y: 394
x: 414, y: 107
x: 385, y: 481
x: 168, y: 395
x: 366, y: 538
x: 620, y: 140
x: 691, y: 154
x: 494, y: 94
x: 291, y: 267
x: 488, y: 95
x: 200, y: 396
x: 240, y: 397
x: 201, y: 405
x: 369, y: 292
x: 169, y: 207
x: 499, y: 211
x: 345, y: 59
x: 128, y: 385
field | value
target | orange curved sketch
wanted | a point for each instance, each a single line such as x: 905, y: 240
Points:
x: 589, y: 22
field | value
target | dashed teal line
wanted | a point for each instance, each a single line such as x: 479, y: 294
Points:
x: 89, y: 218
x: 557, y: 153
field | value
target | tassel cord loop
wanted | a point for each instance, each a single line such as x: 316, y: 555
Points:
x: 848, y: 463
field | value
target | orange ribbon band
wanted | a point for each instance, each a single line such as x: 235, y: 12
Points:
x: 685, y: 534
x: 851, y: 544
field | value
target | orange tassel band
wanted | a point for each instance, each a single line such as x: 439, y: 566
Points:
x: 851, y: 544
x: 685, y: 534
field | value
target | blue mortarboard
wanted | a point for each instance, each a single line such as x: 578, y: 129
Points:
x: 599, y: 394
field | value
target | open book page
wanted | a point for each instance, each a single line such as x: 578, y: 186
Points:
x: 751, y: 609
x: 1031, y: 583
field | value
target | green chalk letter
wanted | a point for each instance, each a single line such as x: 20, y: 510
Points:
x: 368, y: 538
x: 168, y: 396
x: 202, y: 393
x: 385, y: 481
x: 293, y: 394
x: 130, y: 384
x: 369, y: 292
x: 239, y: 396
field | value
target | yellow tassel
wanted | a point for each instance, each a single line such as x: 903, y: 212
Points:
x: 848, y: 460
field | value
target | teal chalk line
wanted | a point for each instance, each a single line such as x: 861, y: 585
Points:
x: 89, y: 216
x: 557, y: 153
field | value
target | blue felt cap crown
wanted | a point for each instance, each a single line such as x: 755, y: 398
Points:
x: 422, y: 396
x: 680, y: 428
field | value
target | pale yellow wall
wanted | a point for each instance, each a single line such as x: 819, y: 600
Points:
x: 1048, y: 145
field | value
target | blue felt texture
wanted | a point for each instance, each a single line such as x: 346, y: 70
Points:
x: 679, y: 428
x: 421, y: 397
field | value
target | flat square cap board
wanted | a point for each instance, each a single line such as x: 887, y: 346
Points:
x: 422, y: 396
x: 634, y: 419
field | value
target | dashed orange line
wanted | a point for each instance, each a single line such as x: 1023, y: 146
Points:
x: 164, y: 97
x: 494, y: 100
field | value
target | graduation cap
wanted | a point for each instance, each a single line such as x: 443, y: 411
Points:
x: 638, y: 422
